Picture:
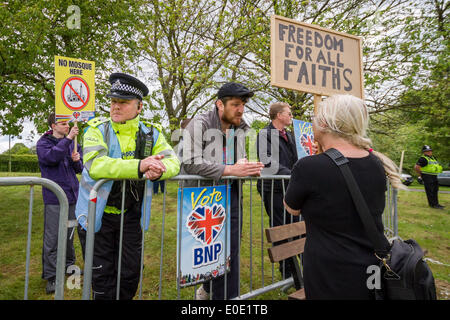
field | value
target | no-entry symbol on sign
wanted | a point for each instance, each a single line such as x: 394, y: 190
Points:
x: 75, y: 93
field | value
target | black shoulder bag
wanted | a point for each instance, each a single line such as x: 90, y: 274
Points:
x: 404, y: 273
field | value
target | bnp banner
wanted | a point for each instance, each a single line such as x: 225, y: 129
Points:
x: 304, y: 138
x: 74, y: 89
x: 203, y: 244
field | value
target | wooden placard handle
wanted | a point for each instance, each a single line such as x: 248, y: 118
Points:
x: 75, y: 147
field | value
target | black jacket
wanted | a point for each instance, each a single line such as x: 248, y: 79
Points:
x: 286, y: 159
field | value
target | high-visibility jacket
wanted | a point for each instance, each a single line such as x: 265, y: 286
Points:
x: 433, y: 167
x: 109, y: 152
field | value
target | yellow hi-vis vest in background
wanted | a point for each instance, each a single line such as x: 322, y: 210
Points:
x: 433, y: 167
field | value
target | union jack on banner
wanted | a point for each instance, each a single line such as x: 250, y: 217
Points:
x: 307, y: 143
x: 205, y: 223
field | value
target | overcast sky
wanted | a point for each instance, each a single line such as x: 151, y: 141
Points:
x: 26, y: 134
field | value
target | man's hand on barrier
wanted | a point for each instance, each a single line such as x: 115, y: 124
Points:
x: 244, y: 168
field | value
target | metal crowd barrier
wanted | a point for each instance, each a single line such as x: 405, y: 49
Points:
x: 255, y: 289
x: 62, y: 231
x: 389, y: 219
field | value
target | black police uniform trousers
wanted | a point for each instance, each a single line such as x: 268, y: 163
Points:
x: 431, y: 188
x: 106, y: 256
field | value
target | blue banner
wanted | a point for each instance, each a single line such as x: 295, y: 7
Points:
x: 304, y: 138
x: 202, y: 226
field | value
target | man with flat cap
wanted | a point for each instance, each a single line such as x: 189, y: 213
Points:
x: 427, y: 167
x: 121, y: 147
x: 211, y: 158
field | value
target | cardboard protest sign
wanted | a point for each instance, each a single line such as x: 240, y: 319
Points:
x: 74, y: 89
x: 304, y: 137
x: 313, y: 59
x: 203, y: 243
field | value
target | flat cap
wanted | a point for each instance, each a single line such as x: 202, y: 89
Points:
x: 233, y: 89
x: 124, y: 86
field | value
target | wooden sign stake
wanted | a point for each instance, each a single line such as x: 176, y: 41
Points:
x: 75, y: 138
x: 317, y: 100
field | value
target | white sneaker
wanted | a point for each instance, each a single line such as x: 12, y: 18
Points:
x: 201, y: 294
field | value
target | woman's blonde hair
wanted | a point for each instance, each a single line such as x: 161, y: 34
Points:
x: 347, y: 117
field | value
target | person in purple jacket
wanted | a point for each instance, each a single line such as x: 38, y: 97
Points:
x: 60, y: 163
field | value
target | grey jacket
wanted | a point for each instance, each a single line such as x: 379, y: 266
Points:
x: 202, y: 150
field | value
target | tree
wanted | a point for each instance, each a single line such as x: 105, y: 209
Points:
x: 190, y: 46
x: 18, y: 148
x: 33, y: 32
x: 421, y: 113
x: 185, y: 49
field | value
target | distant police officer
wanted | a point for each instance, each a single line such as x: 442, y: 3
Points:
x: 428, y: 168
x: 121, y: 147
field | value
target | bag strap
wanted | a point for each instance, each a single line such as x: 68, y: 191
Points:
x: 380, y: 243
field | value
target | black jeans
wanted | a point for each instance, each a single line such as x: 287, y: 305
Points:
x: 232, y: 277
x: 106, y: 256
x: 278, y: 217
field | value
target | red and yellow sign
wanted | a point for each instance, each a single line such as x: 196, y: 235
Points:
x: 74, y: 89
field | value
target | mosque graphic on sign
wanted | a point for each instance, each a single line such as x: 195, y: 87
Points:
x: 75, y: 97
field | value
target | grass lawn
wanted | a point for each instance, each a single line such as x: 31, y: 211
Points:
x: 430, y: 227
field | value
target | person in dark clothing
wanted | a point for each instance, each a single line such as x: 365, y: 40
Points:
x: 60, y: 163
x: 276, y: 149
x: 427, y: 167
x: 338, y: 251
x: 158, y: 185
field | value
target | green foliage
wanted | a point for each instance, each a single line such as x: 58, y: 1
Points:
x: 185, y: 49
x: 420, y: 114
x: 18, y: 148
x: 19, y: 163
x: 33, y: 32
x: 259, y: 124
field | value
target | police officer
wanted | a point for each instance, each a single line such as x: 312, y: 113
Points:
x: 427, y: 167
x: 122, y: 147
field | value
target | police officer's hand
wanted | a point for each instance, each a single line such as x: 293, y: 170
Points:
x: 73, y: 132
x: 152, y: 166
x: 420, y: 180
x: 75, y: 156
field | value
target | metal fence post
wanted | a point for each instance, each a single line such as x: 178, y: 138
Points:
x: 63, y: 224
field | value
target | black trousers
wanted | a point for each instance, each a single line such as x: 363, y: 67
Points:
x: 106, y: 256
x: 431, y: 188
x: 278, y: 217
x: 232, y: 277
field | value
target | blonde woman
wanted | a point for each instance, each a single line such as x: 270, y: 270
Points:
x: 337, y: 251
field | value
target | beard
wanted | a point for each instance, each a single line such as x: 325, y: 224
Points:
x: 232, y: 119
